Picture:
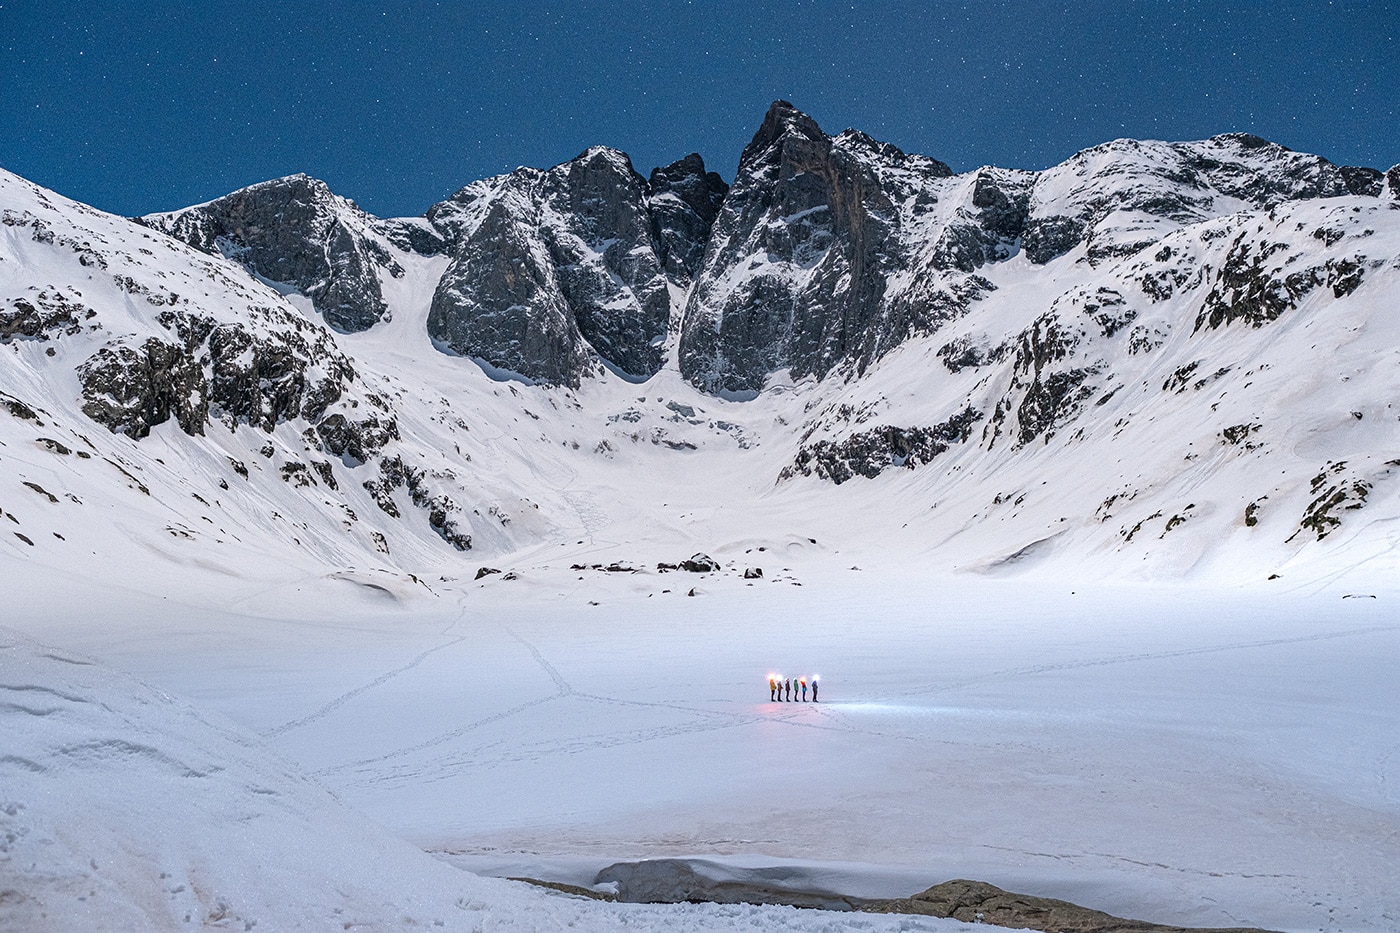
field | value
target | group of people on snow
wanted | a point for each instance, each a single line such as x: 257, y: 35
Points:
x: 790, y: 689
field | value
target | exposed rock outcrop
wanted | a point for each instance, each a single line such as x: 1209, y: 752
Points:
x: 294, y: 232
x: 209, y: 369
x: 979, y: 902
x: 44, y: 315
x: 869, y: 453
x: 551, y: 268
x: 796, y: 273
x: 1124, y: 195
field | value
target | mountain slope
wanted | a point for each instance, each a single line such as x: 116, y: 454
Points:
x: 144, y: 378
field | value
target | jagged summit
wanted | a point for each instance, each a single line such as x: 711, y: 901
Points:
x: 702, y: 191
x: 826, y: 253
x: 554, y: 272
x: 782, y: 121
x: 684, y: 200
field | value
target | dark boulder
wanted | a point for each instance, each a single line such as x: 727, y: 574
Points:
x: 356, y: 441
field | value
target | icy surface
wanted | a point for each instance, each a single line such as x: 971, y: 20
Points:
x: 126, y: 809
x: 1204, y: 757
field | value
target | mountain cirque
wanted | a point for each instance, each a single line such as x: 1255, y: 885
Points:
x: 1151, y: 342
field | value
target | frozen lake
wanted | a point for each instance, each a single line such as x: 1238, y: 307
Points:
x: 1201, y: 757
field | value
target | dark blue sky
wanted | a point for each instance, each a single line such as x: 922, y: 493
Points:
x: 142, y: 106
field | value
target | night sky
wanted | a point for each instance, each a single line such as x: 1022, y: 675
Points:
x: 143, y: 106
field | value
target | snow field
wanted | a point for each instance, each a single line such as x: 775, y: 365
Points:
x: 1203, y: 757
x: 125, y: 809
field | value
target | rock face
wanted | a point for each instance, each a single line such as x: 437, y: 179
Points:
x: 295, y: 232
x: 828, y: 252
x: 684, y: 201
x: 551, y: 269
x: 500, y: 300
x: 979, y: 902
x: 799, y: 267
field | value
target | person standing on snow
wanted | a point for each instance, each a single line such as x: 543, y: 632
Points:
x: 789, y: 689
x: 814, y: 689
x: 804, y: 689
x: 772, y: 689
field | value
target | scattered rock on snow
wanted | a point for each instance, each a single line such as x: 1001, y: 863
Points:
x: 699, y: 563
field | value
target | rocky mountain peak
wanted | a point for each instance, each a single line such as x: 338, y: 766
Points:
x: 294, y: 232
x: 684, y: 200
x: 1121, y: 196
x: 797, y: 271
x: 686, y: 178
x: 894, y: 307
x: 554, y: 270
x: 1245, y: 141
x: 783, y: 122
x: 827, y: 252
x: 601, y: 188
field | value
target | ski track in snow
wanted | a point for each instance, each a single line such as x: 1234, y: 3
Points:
x: 475, y: 759
x: 472, y: 760
x: 550, y: 669
x: 562, y: 689
x: 379, y: 681
x: 438, y: 739
x: 1138, y: 863
x: 591, y: 515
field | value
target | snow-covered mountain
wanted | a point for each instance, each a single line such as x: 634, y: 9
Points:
x: 268, y: 451
x: 1170, y: 357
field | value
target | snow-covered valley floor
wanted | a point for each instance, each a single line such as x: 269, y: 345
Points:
x: 1206, y: 757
